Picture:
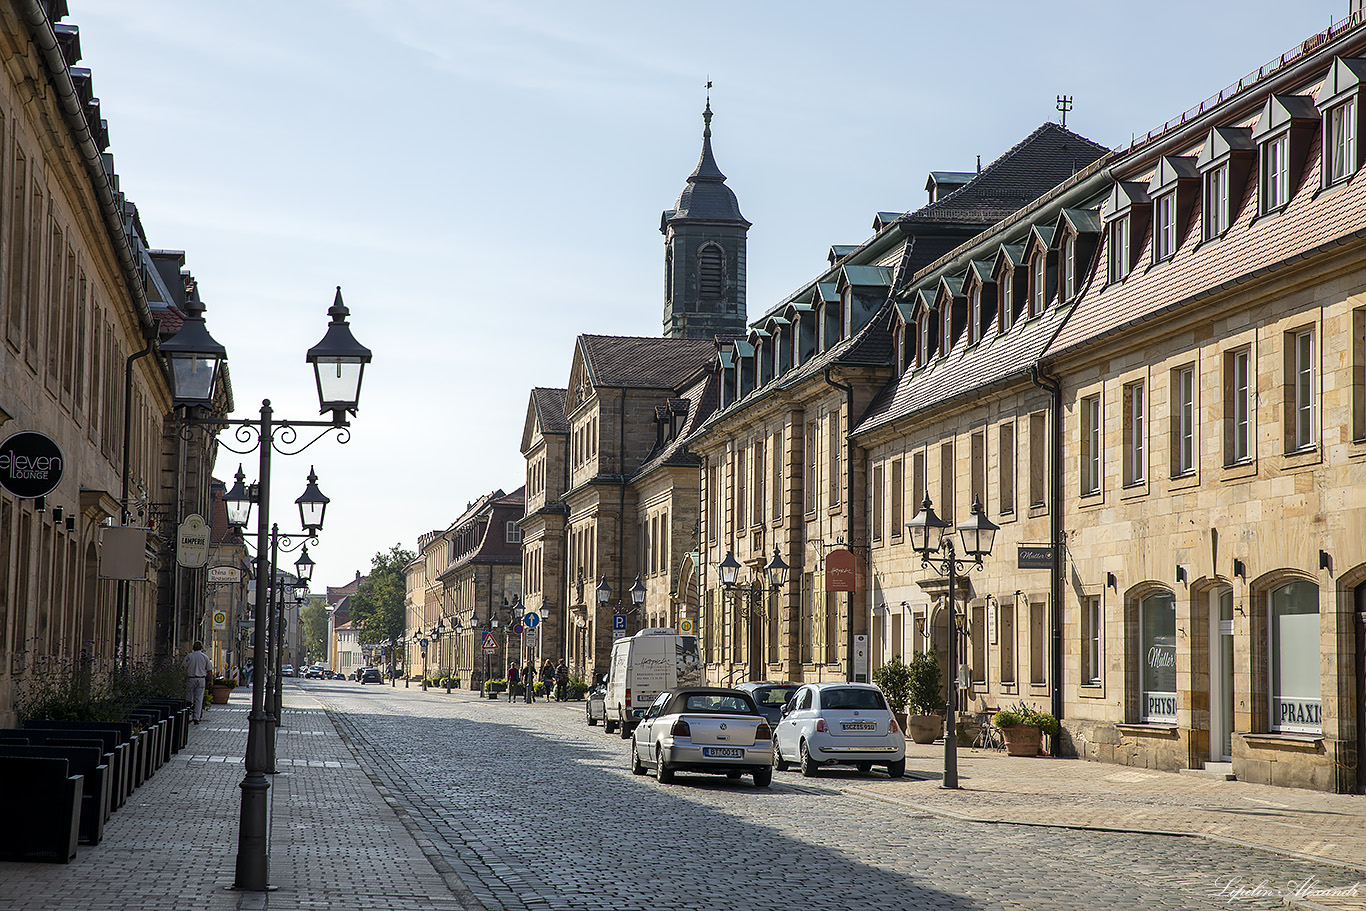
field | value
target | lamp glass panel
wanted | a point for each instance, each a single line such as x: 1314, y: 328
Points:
x: 338, y: 382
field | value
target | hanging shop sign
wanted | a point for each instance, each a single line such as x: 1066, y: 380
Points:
x: 224, y: 574
x: 1034, y: 556
x: 840, y: 570
x: 31, y: 464
x: 123, y: 553
x: 192, y: 542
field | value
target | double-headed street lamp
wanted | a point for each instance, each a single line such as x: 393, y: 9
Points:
x: 932, y: 535
x: 338, y: 365
x: 749, y: 600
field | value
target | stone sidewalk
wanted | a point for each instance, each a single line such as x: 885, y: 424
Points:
x: 1322, y: 828
x: 336, y: 840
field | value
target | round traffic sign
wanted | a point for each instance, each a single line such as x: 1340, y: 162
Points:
x: 531, y: 620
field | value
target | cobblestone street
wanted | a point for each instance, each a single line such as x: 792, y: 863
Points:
x: 531, y: 808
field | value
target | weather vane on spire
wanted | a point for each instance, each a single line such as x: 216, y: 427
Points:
x: 706, y: 114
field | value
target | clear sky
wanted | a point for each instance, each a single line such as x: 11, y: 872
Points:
x: 484, y: 178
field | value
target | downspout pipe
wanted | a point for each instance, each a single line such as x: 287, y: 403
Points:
x: 849, y: 512
x: 1055, y: 530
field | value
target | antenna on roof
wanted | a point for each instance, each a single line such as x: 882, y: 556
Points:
x: 1064, y: 105
x: 979, y: 164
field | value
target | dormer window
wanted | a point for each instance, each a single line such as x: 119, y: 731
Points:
x: 923, y: 349
x: 1125, y: 215
x: 1283, y: 133
x: 1006, y: 296
x: 1067, y: 266
x: 974, y: 314
x: 945, y: 328
x: 1038, y: 283
x: 1337, y: 104
x: 1164, y: 226
x: 1118, y: 231
x: 1275, y: 173
x: 1216, y: 202
x: 1224, y: 165
x: 1340, y: 148
x: 1172, y: 190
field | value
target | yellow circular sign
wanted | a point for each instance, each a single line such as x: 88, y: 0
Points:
x: 685, y: 626
x: 220, y: 619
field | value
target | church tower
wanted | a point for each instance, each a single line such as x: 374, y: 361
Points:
x: 704, y: 253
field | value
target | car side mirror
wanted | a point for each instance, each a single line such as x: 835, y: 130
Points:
x: 786, y: 709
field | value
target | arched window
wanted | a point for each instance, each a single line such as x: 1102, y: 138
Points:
x: 711, y: 272
x: 669, y: 274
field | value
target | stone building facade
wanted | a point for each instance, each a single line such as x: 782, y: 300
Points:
x: 82, y: 296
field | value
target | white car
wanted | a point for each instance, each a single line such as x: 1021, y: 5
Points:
x: 713, y: 730
x: 841, y: 724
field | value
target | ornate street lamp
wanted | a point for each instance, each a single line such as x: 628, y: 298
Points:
x: 338, y: 363
x: 312, y: 505
x: 751, y: 606
x: 931, y: 535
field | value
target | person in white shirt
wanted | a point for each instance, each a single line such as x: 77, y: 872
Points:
x: 199, y: 672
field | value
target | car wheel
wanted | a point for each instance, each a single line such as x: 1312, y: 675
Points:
x: 763, y: 778
x: 896, y: 769
x: 809, y: 765
x: 626, y: 731
x: 779, y: 762
x: 609, y: 725
x: 666, y: 774
x: 592, y: 722
x: 864, y: 767
x: 636, y: 767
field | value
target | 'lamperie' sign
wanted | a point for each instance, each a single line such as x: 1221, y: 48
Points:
x: 30, y: 464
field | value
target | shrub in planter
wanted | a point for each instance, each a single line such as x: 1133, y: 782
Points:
x: 1023, y: 727
x: 576, y: 688
x: 894, y: 679
x: 925, y: 699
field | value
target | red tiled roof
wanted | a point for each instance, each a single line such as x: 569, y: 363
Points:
x: 1309, y: 221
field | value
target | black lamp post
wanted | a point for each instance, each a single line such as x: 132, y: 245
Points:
x: 931, y: 535
x: 751, y: 606
x: 338, y: 364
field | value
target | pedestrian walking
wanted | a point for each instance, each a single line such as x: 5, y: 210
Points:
x: 513, y: 675
x: 198, y: 672
x: 548, y: 679
x: 562, y: 681
x: 529, y: 677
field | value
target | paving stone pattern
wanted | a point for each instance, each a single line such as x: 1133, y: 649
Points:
x: 533, y: 809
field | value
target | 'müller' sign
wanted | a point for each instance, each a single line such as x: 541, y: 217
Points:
x: 30, y: 464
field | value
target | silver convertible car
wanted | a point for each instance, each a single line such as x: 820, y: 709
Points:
x: 712, y: 730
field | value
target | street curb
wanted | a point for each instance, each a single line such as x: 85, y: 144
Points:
x: 1087, y: 827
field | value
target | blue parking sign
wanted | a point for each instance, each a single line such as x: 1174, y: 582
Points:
x: 618, y: 621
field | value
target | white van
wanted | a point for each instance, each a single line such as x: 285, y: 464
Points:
x: 643, y: 666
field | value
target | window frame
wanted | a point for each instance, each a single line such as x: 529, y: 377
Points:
x: 1164, y: 226
x: 1304, y: 401
x: 1135, y: 434
x: 1340, y: 138
x: 1183, y: 421
x: 1092, y: 443
x: 1118, y: 239
x: 1215, y: 216
x: 1274, y: 173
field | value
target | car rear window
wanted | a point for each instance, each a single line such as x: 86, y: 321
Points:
x: 773, y: 695
x: 720, y: 703
x: 852, y: 698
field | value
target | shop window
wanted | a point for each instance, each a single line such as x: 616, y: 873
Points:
x: 1157, y: 657
x: 1294, y: 650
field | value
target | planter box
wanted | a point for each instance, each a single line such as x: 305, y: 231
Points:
x: 924, y: 728
x: 221, y: 694
x: 1022, y: 740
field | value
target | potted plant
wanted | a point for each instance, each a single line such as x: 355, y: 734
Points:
x: 493, y: 687
x: 221, y: 689
x: 1023, y: 728
x: 925, y: 694
x: 894, y: 679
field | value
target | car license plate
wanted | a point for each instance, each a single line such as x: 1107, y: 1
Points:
x: 723, y: 753
x: 858, y: 725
